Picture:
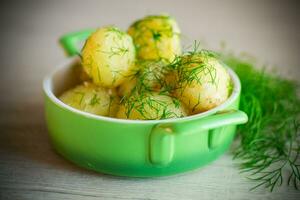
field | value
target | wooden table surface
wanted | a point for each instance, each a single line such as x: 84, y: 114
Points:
x: 29, y: 167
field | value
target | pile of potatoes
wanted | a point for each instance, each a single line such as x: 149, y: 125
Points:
x: 143, y: 75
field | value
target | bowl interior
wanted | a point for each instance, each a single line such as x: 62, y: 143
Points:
x: 65, y: 76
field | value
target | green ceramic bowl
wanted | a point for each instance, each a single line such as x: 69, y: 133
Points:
x: 137, y: 148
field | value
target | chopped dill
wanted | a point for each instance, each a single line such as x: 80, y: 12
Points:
x: 156, y: 35
x: 81, y: 96
x: 94, y: 100
x: 176, y: 102
x: 98, y: 73
x: 116, y: 51
x: 117, y: 31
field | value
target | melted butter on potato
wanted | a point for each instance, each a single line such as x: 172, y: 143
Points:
x: 202, y: 81
x: 151, y: 106
x: 108, y: 56
x: 156, y: 37
x: 91, y: 98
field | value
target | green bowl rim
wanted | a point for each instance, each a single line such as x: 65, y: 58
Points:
x: 47, y: 88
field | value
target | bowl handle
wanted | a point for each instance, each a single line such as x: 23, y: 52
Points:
x: 72, y: 42
x: 162, y: 136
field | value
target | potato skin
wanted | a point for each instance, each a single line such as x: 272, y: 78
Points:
x: 92, y: 99
x: 156, y: 37
x: 108, y: 56
x: 151, y: 106
x: 202, y: 81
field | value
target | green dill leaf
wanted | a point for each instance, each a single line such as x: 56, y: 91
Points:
x: 94, y: 100
x: 270, y: 141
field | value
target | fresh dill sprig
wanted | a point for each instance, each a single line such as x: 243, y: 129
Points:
x: 192, y: 66
x: 169, y: 78
x: 270, y: 142
x: 149, y: 87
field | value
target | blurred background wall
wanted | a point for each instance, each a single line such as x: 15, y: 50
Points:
x: 267, y: 29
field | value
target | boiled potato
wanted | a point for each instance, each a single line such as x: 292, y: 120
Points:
x: 108, y: 56
x: 91, y: 98
x: 156, y: 37
x: 148, y: 77
x: 202, y: 81
x: 150, y: 106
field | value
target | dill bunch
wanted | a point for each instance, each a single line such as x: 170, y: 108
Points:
x: 270, y: 142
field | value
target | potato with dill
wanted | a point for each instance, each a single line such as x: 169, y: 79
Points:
x: 108, y: 56
x: 92, y: 99
x: 149, y: 76
x: 202, y: 82
x: 151, y: 106
x: 156, y: 37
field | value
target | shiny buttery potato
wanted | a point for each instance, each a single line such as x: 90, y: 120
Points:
x: 202, y: 81
x: 91, y: 98
x: 150, y: 106
x: 108, y: 56
x: 156, y: 37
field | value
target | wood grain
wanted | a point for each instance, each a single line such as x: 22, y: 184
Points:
x: 29, y: 167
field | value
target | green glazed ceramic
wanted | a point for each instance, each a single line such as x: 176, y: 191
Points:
x: 137, y: 148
